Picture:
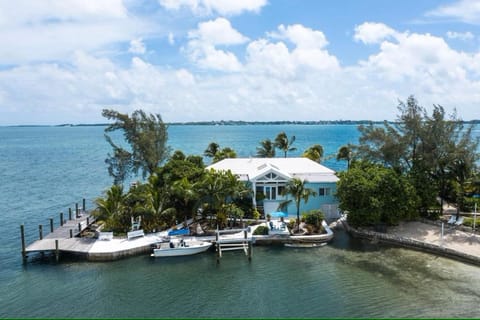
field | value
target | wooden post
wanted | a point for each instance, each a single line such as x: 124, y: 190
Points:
x: 40, y: 231
x: 76, y: 211
x: 250, y: 251
x: 84, y: 208
x: 51, y: 224
x: 22, y: 236
x: 69, y: 213
x: 71, y: 233
x: 61, y: 219
x: 79, y: 227
x: 57, y: 253
x: 218, y: 247
x: 88, y: 221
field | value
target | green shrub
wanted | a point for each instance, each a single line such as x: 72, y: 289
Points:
x: 256, y: 214
x: 314, y: 218
x: 261, y: 230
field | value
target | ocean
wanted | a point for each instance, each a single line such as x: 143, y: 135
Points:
x: 46, y: 170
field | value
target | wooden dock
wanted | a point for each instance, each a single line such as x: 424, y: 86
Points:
x: 64, y: 238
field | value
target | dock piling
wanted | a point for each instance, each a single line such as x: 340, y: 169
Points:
x: 79, y: 227
x: 57, y: 253
x: 61, y: 219
x: 76, y: 211
x: 69, y: 213
x: 88, y: 221
x: 83, y: 205
x: 40, y: 231
x: 22, y: 235
x: 71, y: 233
x: 51, y: 224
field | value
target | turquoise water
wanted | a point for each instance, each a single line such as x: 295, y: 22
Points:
x: 45, y: 170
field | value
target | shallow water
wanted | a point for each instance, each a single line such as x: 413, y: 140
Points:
x: 45, y: 170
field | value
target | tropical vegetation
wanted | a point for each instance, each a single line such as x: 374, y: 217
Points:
x: 409, y: 168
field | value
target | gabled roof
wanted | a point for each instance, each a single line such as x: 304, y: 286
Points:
x: 250, y: 169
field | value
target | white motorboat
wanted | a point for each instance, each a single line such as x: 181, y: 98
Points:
x: 180, y: 247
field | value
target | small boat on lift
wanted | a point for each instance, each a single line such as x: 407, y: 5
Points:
x: 180, y: 247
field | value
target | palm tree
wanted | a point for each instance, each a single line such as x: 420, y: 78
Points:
x: 158, y: 204
x: 211, y: 150
x: 186, y: 191
x: 283, y: 143
x: 314, y: 153
x: 266, y: 149
x: 345, y: 153
x: 111, y: 208
x: 224, y: 153
x: 298, y: 190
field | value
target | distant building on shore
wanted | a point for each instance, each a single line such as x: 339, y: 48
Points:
x: 268, y: 177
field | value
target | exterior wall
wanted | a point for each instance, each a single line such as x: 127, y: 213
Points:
x: 326, y: 203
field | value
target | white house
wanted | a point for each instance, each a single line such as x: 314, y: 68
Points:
x: 268, y: 177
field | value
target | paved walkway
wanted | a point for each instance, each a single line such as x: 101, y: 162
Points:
x: 453, y: 239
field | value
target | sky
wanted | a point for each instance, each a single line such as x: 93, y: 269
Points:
x: 63, y: 61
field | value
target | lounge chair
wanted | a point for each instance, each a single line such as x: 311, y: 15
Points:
x: 452, y: 220
x: 459, y: 221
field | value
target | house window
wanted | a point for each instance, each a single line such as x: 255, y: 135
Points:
x: 323, y: 192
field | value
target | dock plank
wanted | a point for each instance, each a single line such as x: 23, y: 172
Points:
x: 62, y: 234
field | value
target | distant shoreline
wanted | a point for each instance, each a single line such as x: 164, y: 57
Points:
x: 236, y: 123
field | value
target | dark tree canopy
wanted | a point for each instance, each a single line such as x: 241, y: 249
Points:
x: 147, y: 137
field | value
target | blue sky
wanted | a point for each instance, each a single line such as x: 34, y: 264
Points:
x: 63, y: 61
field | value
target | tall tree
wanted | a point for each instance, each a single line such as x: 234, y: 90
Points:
x: 298, y: 190
x: 147, y: 137
x: 211, y: 150
x: 314, y: 153
x: 345, y: 153
x: 266, y: 149
x: 284, y: 143
x: 224, y: 153
x: 373, y: 194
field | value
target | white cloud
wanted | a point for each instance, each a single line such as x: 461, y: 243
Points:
x: 464, y: 36
x: 463, y: 10
x: 218, y: 31
x: 53, y: 30
x: 302, y: 37
x: 137, y: 46
x: 288, y: 74
x: 222, y: 7
x: 201, y: 46
x: 373, y: 32
x: 278, y: 60
x: 171, y: 38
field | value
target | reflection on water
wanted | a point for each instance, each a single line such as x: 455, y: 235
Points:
x: 45, y: 170
x: 348, y: 278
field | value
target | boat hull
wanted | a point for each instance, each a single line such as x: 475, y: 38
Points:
x: 192, y: 248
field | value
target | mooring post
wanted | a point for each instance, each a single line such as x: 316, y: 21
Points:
x: 76, y: 211
x: 71, y: 233
x: 22, y: 236
x: 217, y: 244
x: 69, y: 213
x: 79, y: 227
x: 51, y: 225
x: 61, y: 219
x: 83, y: 206
x: 57, y: 253
x: 40, y: 231
x: 88, y: 221
x: 250, y: 251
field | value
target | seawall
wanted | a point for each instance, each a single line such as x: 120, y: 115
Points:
x: 411, y: 243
